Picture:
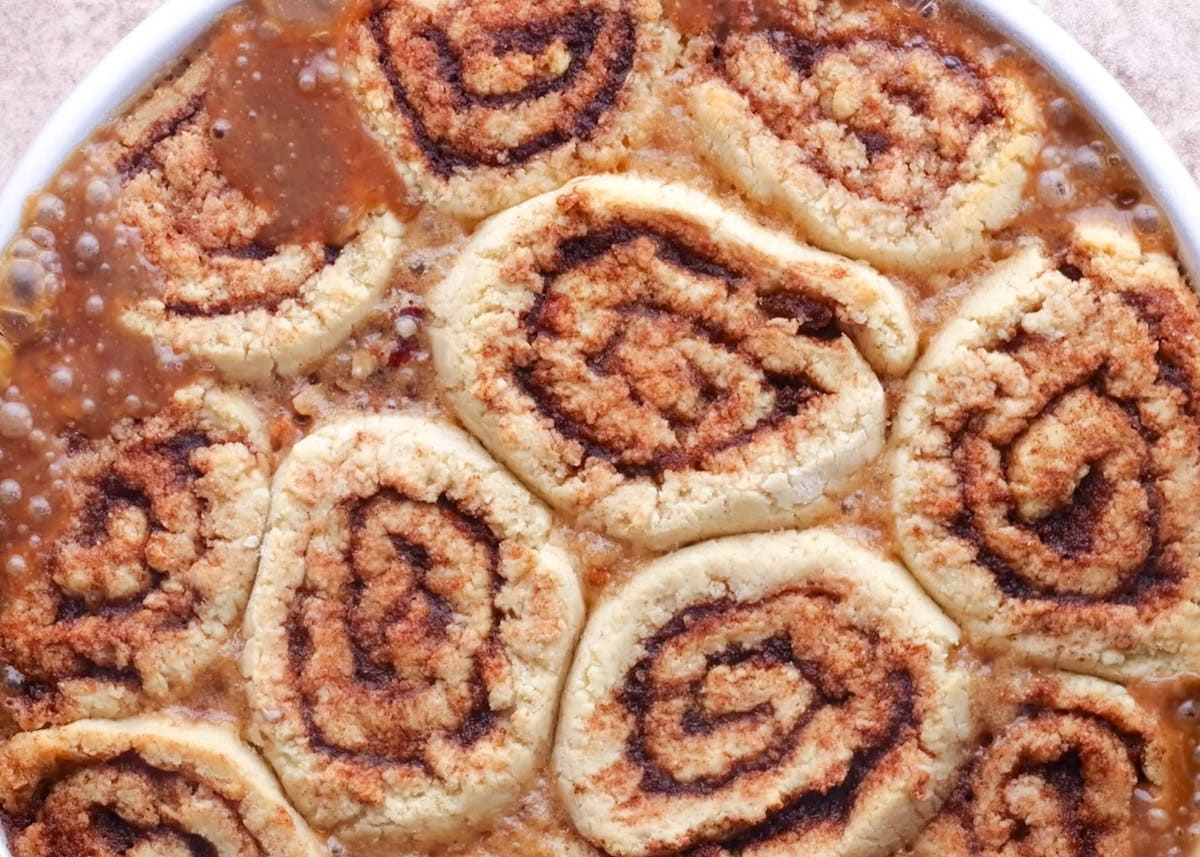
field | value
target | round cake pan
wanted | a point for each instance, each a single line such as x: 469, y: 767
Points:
x: 178, y: 23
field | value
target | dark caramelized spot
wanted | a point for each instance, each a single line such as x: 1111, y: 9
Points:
x: 113, y: 493
x: 1127, y: 198
x: 801, y: 54
x: 816, y: 319
x: 1071, y: 272
x: 116, y: 833
x: 1070, y: 531
x: 876, y: 143
x: 253, y: 251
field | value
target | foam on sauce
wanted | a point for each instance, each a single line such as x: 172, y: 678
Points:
x: 67, y: 278
x: 288, y: 136
x: 1169, y: 824
x: 274, y: 73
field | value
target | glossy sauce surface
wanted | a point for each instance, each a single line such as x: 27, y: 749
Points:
x: 289, y: 137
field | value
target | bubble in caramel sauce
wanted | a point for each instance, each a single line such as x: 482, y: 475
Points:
x: 1168, y: 825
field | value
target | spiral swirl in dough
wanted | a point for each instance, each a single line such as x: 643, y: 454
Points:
x: 408, y: 632
x: 149, y: 786
x: 763, y: 695
x: 250, y: 308
x: 140, y: 590
x: 663, y: 368
x: 485, y: 104
x: 1056, y: 764
x: 1047, y: 477
x: 898, y: 147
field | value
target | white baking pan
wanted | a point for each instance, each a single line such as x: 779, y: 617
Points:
x: 165, y: 34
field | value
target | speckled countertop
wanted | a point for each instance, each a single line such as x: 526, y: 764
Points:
x: 46, y: 46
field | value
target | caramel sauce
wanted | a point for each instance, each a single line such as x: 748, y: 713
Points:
x: 274, y: 73
x: 78, y: 369
x: 288, y: 135
x: 1169, y: 824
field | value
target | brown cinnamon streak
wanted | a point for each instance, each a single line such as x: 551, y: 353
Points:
x: 580, y: 32
x: 1069, y: 532
x: 141, y: 158
x: 114, y: 832
x: 792, y: 392
x: 369, y: 670
x: 800, y: 812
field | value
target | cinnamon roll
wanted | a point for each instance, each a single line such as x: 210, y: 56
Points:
x: 145, y: 786
x: 1047, y: 476
x: 762, y: 695
x: 250, y: 307
x: 408, y: 631
x: 884, y: 143
x: 1057, y: 763
x: 485, y: 104
x: 661, y: 367
x: 138, y: 593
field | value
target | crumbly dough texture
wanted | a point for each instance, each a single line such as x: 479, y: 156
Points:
x: 408, y: 633
x: 663, y: 368
x: 542, y: 92
x: 151, y: 785
x: 763, y: 695
x: 251, y: 309
x: 1012, y: 796
x: 142, y: 590
x: 902, y: 152
x: 1047, y: 462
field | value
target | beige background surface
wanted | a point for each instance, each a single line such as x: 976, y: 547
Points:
x: 1153, y: 46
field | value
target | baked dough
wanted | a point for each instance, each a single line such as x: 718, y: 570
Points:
x: 140, y: 591
x: 1047, y: 466
x: 408, y: 633
x: 661, y: 367
x: 144, y: 786
x: 1058, y: 760
x: 252, y: 309
x: 485, y: 104
x: 763, y: 695
x: 880, y: 144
